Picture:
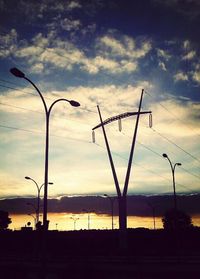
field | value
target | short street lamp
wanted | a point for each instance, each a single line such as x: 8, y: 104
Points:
x: 173, y: 177
x: 75, y: 219
x: 38, y: 196
x: 19, y: 74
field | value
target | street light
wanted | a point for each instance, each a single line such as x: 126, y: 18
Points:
x: 75, y: 219
x: 38, y: 196
x: 88, y: 212
x: 153, y: 214
x: 112, y: 200
x: 17, y: 73
x: 173, y: 177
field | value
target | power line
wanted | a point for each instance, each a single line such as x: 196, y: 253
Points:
x: 85, y: 141
x: 4, y: 104
x: 170, y: 141
x: 186, y: 152
x: 156, y: 153
x: 14, y: 83
x: 35, y: 94
x: 171, y: 113
x: 35, y: 111
x: 9, y: 87
x: 39, y: 132
x: 197, y: 176
x: 140, y: 166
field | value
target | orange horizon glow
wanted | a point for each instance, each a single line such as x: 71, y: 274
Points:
x: 69, y: 221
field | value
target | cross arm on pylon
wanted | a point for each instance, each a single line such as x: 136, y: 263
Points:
x: 117, y: 117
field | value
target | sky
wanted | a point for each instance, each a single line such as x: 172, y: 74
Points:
x: 102, y: 53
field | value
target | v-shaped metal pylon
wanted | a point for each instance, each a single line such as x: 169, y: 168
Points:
x: 109, y: 120
x: 122, y: 194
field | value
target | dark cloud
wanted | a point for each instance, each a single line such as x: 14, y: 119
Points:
x: 138, y: 205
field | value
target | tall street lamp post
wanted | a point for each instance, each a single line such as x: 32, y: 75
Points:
x: 153, y: 214
x: 19, y: 74
x: 173, y: 178
x: 38, y: 196
x: 112, y: 200
x: 88, y: 215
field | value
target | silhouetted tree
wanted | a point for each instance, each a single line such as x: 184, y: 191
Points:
x: 4, y: 220
x: 176, y: 219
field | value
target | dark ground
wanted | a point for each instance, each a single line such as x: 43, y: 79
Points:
x: 96, y: 254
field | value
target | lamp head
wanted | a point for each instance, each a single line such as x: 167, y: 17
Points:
x: 179, y: 164
x: 27, y: 177
x: 50, y: 183
x: 165, y: 155
x: 17, y: 73
x: 74, y: 103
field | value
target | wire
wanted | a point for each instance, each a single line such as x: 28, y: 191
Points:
x: 35, y: 111
x: 192, y: 156
x: 35, y: 94
x: 171, y: 113
x: 14, y: 83
x: 74, y: 139
x: 85, y: 109
x: 9, y: 87
x: 39, y: 132
x: 156, y: 153
x: 4, y: 104
x: 139, y: 165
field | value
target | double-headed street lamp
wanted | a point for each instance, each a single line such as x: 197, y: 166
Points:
x: 173, y: 177
x: 38, y: 196
x: 75, y: 219
x: 19, y: 74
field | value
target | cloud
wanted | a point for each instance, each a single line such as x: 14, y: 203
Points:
x: 8, y: 43
x: 69, y: 25
x: 186, y: 111
x: 110, y: 55
x: 70, y: 139
x: 44, y: 8
x: 162, y: 66
x: 180, y: 76
x: 186, y: 44
x: 74, y: 5
x: 196, y: 76
x: 190, y: 55
x: 163, y: 54
x: 138, y: 205
x: 126, y: 47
